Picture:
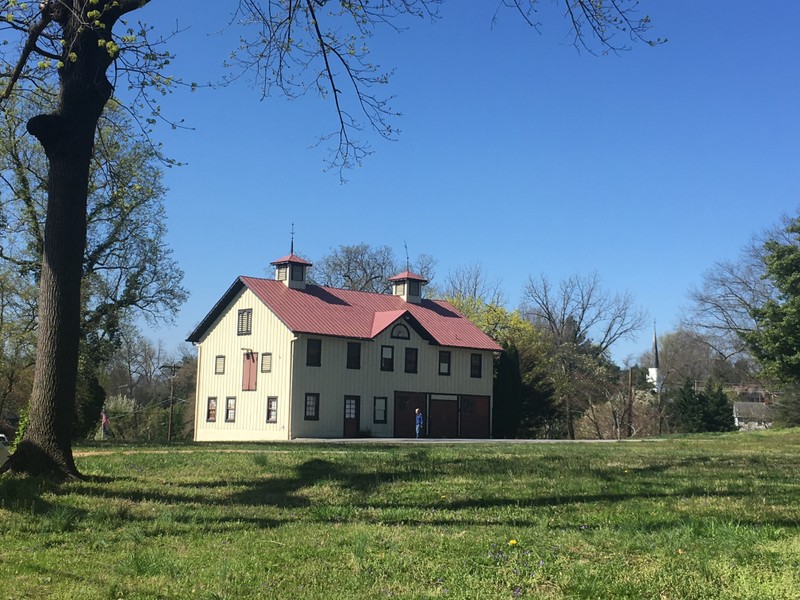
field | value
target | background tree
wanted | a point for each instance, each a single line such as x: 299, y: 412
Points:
x: 775, y: 339
x: 686, y: 409
x: 472, y: 283
x: 17, y: 340
x: 722, y: 310
x: 365, y: 268
x: 786, y: 407
x: 580, y: 311
x: 625, y: 405
x: 581, y: 321
x: 74, y: 44
x: 138, y: 384
x: 523, y: 398
x: 689, y: 354
x: 127, y: 271
x: 746, y: 312
x: 507, y: 394
x: 694, y: 411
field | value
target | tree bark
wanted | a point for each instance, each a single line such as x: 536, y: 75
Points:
x: 67, y: 136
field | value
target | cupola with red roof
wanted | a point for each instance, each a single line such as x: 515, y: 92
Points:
x: 408, y: 286
x: 291, y: 270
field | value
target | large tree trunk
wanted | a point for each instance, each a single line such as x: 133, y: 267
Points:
x: 46, y: 446
x: 67, y: 136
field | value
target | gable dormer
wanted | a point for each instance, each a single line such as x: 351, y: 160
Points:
x: 408, y: 286
x: 291, y: 270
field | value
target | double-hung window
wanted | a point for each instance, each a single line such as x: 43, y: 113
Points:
x: 353, y: 355
x: 312, y: 407
x: 314, y: 352
x: 211, y: 410
x: 272, y: 409
x: 444, y: 362
x: 230, y: 409
x: 411, y: 360
x: 379, y: 412
x: 387, y: 358
x: 476, y: 365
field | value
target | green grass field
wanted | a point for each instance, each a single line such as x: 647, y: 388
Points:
x: 701, y: 517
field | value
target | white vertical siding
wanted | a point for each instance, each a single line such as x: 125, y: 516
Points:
x: 291, y: 379
x: 333, y: 381
x: 268, y: 334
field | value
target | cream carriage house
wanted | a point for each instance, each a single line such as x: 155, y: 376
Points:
x: 281, y: 358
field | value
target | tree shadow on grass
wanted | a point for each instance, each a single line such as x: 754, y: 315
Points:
x: 25, y: 494
x: 183, y: 502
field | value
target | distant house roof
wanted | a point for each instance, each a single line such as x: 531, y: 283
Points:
x: 752, y: 411
x: 346, y: 313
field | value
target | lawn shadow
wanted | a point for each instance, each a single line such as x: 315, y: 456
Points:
x: 300, y: 486
x: 25, y: 494
x: 283, y: 492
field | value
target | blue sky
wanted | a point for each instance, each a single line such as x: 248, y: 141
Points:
x: 515, y: 152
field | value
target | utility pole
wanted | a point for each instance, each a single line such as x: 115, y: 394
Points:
x: 630, y: 403
x: 173, y: 369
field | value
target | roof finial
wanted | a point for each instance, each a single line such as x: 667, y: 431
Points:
x: 408, y: 267
x: 291, y: 248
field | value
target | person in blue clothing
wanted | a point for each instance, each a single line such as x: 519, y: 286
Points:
x: 419, y: 422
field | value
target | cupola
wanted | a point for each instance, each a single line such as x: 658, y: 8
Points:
x: 408, y: 286
x: 291, y: 270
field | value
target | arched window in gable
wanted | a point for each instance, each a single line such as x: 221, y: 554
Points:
x: 400, y: 332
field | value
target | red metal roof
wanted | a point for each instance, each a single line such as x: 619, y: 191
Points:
x: 408, y: 275
x: 293, y: 258
x: 382, y: 320
x: 346, y: 313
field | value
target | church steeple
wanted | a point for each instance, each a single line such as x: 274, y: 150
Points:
x: 654, y: 373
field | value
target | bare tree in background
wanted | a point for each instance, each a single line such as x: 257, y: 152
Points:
x: 472, y: 282
x: 579, y: 310
x: 365, y: 268
x: 722, y: 308
x: 582, y: 321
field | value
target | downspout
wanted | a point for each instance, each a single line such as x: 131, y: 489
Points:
x: 197, y: 407
x: 291, y: 386
x: 495, y: 356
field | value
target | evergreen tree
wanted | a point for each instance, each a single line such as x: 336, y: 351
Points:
x: 776, y: 340
x: 698, y: 412
x: 786, y: 409
x: 508, y: 391
x: 686, y: 412
x: 717, y: 409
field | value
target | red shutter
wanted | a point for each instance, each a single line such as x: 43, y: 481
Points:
x: 249, y: 371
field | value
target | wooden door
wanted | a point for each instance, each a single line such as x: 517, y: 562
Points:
x: 352, y: 416
x: 475, y: 417
x: 443, y: 418
x: 405, y: 403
